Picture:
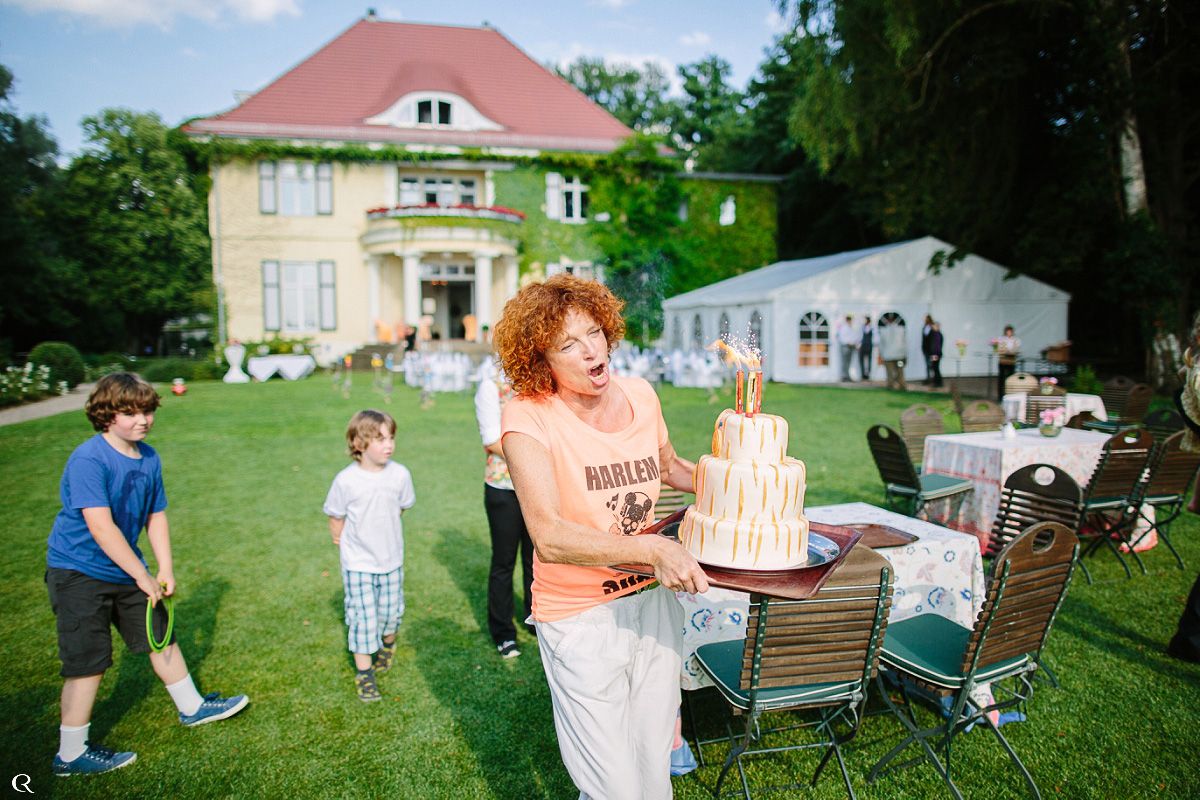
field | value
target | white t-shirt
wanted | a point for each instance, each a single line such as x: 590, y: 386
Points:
x: 371, y: 502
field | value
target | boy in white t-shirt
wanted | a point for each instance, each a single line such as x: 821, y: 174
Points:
x: 364, y: 505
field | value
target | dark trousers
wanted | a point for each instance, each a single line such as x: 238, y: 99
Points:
x: 1004, y: 372
x: 1186, y: 642
x: 864, y: 361
x: 509, y: 535
x: 935, y: 370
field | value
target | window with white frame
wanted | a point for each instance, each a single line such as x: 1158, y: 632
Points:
x: 442, y: 190
x: 435, y: 112
x: 566, y: 198
x: 295, y: 188
x: 299, y: 296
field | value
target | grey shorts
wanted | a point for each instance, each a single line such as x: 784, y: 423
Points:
x: 86, y: 608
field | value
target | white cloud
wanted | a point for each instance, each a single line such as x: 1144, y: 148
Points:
x: 613, y: 4
x: 695, y: 39
x: 668, y: 67
x: 161, y: 13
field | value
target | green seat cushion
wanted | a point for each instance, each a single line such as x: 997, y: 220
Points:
x: 1102, y: 503
x: 722, y: 661
x: 934, y: 485
x: 931, y: 647
x: 1162, y: 499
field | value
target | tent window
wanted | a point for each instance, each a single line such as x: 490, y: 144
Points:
x: 677, y: 334
x: 814, y: 340
x: 697, y: 333
x: 724, y: 332
x: 756, y: 331
x: 891, y: 318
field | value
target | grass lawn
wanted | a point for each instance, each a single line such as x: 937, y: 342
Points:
x: 259, y: 612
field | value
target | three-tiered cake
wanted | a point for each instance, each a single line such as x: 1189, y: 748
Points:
x: 749, y: 508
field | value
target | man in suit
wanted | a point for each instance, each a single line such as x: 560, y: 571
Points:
x: 866, y: 345
x: 926, y: 330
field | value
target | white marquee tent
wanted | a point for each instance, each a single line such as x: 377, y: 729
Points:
x: 792, y: 308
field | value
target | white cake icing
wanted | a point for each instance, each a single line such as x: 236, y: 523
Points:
x: 749, y: 509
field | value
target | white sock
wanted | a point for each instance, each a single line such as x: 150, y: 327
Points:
x: 184, y: 693
x: 72, y: 741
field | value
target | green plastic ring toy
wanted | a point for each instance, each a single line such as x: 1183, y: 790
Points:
x: 158, y: 646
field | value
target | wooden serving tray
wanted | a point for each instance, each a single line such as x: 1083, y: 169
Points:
x: 877, y: 536
x: 794, y: 584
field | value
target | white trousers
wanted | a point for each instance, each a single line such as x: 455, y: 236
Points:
x: 613, y: 672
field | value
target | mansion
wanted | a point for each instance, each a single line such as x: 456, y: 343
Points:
x: 410, y: 174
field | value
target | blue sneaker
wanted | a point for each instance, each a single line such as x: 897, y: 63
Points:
x: 95, y: 759
x: 214, y: 708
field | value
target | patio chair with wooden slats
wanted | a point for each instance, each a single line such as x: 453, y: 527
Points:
x: 1035, y: 404
x: 1020, y: 383
x: 670, y: 500
x: 982, y: 415
x: 1080, y: 420
x: 917, y: 422
x: 1111, y: 496
x: 1114, y: 393
x: 1032, y: 494
x: 1172, y: 474
x: 1137, y: 402
x: 1162, y: 422
x: 900, y: 478
x: 816, y: 656
x: 938, y: 658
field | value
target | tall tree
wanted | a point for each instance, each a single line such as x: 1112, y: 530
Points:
x: 136, y: 227
x: 708, y: 100
x: 40, y: 299
x: 635, y: 95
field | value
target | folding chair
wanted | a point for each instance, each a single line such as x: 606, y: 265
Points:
x: 1035, y: 404
x: 1080, y: 420
x: 900, y: 478
x: 1111, y: 496
x: 1114, y: 393
x: 1172, y: 474
x: 1130, y: 412
x: 1020, y: 382
x: 1032, y: 494
x: 917, y: 422
x: 1162, y: 422
x: 815, y: 655
x: 982, y: 415
x: 940, y: 657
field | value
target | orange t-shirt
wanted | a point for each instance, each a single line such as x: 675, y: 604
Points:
x: 606, y: 481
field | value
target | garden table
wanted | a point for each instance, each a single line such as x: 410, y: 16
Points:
x: 941, y: 572
x: 987, y: 459
x: 1014, y: 405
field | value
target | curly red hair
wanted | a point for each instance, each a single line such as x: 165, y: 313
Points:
x: 533, y: 321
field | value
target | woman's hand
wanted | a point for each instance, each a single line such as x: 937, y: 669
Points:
x: 677, y: 569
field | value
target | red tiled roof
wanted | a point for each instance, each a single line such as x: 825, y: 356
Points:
x: 365, y: 70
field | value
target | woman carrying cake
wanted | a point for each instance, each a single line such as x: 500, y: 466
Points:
x: 587, y: 452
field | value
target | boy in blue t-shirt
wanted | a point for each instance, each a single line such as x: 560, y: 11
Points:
x: 111, y: 489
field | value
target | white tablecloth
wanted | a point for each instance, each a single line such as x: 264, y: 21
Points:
x: 290, y: 368
x: 987, y: 459
x: 1014, y: 405
x: 941, y: 573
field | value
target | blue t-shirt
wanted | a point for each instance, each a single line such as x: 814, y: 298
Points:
x: 97, y: 476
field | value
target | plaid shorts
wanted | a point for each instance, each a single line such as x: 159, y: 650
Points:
x: 374, y: 606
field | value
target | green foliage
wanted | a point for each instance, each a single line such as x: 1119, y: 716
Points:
x: 64, y: 361
x: 637, y: 96
x: 279, y: 345
x: 708, y: 251
x: 131, y: 219
x: 164, y: 370
x: 25, y: 384
x: 1085, y: 380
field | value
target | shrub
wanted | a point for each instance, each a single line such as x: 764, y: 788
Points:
x: 28, y: 383
x: 164, y: 370
x: 276, y: 346
x: 64, y: 361
x: 1085, y: 381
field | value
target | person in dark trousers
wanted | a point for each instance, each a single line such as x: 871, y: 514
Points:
x: 1185, y: 644
x: 866, y: 345
x: 935, y: 355
x: 926, y: 331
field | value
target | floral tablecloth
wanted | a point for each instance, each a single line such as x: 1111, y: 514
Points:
x: 1014, y: 405
x: 987, y: 459
x: 941, y: 572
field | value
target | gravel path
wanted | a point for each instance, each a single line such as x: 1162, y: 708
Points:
x: 72, y: 401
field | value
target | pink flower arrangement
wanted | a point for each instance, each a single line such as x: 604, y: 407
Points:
x: 1053, y: 416
x: 1049, y: 380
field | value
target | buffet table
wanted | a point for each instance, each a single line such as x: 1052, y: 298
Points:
x: 290, y: 368
x: 1014, y: 405
x: 987, y: 459
x: 941, y: 572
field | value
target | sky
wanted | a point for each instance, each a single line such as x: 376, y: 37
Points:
x: 187, y: 58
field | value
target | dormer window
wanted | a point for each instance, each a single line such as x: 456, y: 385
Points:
x: 425, y: 109
x: 429, y: 109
